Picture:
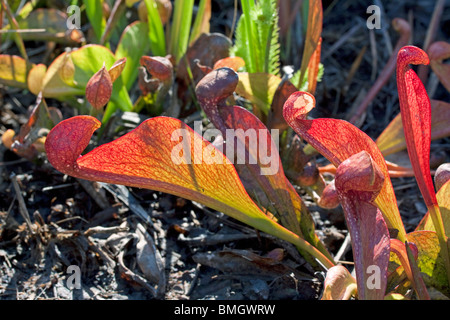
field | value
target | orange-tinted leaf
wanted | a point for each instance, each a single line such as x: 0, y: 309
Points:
x: 13, y: 71
x: 438, y: 52
x: 322, y: 135
x: 392, y: 139
x: 162, y: 154
x: 313, y: 68
x: 116, y: 69
x: 312, y: 38
x: 234, y: 63
x: 339, y: 284
x: 36, y: 77
x: 99, y: 88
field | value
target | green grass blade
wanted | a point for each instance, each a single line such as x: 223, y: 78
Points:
x: 181, y: 28
x: 155, y: 30
x: 94, y: 12
x: 201, y: 22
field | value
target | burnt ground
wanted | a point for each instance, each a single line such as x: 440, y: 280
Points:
x: 134, y: 244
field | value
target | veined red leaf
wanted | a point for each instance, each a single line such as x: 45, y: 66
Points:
x: 166, y: 155
x: 416, y: 118
x: 338, y: 140
x: 392, y: 139
x: 358, y: 182
x: 438, y: 52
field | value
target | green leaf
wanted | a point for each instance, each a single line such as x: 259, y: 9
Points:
x: 13, y: 71
x: 133, y: 48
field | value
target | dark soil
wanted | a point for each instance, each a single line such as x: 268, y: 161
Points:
x: 138, y: 244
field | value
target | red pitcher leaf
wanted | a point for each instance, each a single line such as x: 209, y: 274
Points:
x: 441, y: 176
x: 416, y: 118
x: 312, y: 37
x: 234, y: 63
x: 358, y: 182
x: 392, y: 139
x: 407, y: 256
x: 13, y: 71
x: 339, y: 284
x: 116, y: 69
x: 207, y: 49
x: 163, y: 154
x: 253, y: 149
x: 99, y: 88
x: 403, y: 28
x: 313, y: 68
x: 329, y: 198
x: 395, y: 171
x: 275, y: 119
x: 159, y: 67
x: 338, y: 140
x: 258, y: 88
x: 438, y: 52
